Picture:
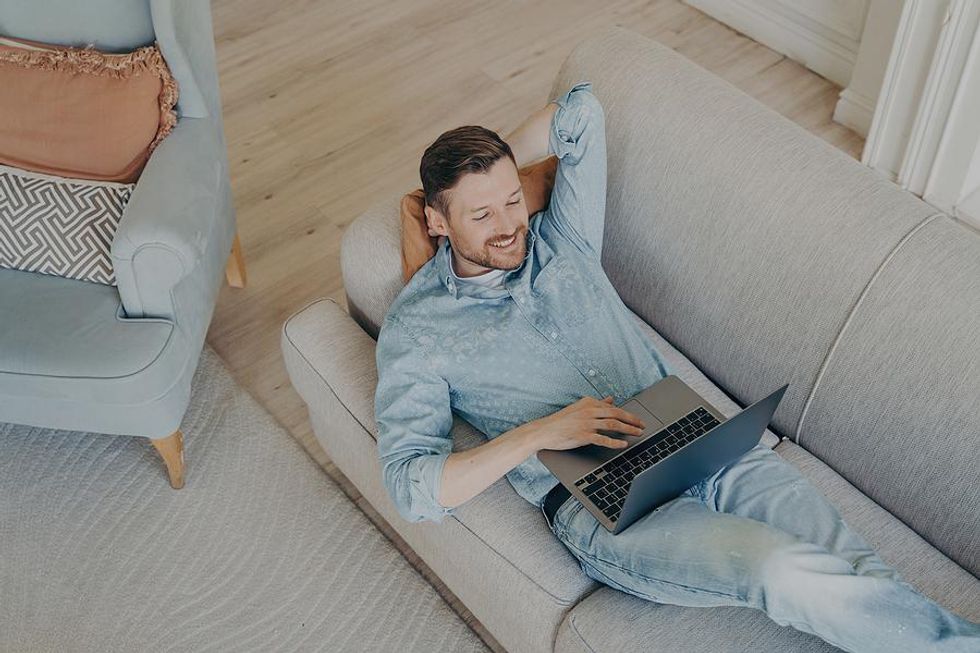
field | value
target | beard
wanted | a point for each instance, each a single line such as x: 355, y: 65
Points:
x: 492, y: 257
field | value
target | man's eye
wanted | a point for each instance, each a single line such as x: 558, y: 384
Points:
x: 517, y: 201
x: 481, y: 217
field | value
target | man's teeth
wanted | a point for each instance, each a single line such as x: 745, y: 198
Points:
x: 505, y: 243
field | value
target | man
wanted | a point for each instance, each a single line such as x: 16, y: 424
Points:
x: 514, y: 326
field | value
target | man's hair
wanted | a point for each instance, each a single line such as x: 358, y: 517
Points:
x: 469, y: 148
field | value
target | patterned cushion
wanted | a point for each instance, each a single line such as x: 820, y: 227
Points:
x: 59, y: 226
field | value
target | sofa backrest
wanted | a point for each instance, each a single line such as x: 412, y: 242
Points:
x: 895, y: 409
x: 182, y: 28
x: 759, y: 251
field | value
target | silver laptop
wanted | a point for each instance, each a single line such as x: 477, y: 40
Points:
x: 686, y: 439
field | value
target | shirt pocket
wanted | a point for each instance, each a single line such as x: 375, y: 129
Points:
x: 572, y: 294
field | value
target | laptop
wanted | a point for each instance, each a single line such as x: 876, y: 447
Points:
x: 686, y: 439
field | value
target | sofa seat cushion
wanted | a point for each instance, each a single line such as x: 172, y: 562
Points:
x: 69, y: 339
x: 610, y: 620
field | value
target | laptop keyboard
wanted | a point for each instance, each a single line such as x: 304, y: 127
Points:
x: 608, y: 484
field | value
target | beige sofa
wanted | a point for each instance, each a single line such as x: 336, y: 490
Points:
x: 754, y: 254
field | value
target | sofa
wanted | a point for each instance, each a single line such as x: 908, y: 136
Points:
x: 119, y: 359
x: 753, y: 254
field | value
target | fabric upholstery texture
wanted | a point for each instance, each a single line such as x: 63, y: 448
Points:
x: 79, y: 112
x: 909, y: 438
x: 58, y: 226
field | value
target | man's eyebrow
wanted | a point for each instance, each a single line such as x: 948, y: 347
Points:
x: 480, y: 208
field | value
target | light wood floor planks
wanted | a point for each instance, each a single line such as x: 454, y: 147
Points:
x: 328, y: 103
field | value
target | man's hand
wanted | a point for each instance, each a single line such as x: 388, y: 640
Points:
x: 467, y: 473
x: 579, y: 424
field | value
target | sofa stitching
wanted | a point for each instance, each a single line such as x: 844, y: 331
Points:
x: 850, y: 315
x: 560, y: 601
x: 571, y: 624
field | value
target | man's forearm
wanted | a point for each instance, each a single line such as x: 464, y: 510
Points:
x: 529, y: 142
x: 467, y: 473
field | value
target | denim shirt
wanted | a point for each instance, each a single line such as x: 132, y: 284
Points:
x: 501, y: 357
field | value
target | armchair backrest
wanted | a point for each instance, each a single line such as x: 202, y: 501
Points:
x: 181, y: 27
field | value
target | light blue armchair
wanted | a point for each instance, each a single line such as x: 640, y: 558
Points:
x: 119, y: 360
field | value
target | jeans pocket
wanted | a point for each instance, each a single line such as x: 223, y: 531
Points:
x: 566, y: 512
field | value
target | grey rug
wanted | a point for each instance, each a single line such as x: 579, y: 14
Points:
x: 261, y: 551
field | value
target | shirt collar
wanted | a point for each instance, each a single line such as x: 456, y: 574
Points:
x: 443, y: 263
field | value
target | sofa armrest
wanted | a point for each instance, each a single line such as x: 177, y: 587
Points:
x: 169, y: 219
x: 339, y: 352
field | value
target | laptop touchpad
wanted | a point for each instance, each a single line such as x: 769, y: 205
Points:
x: 652, y: 423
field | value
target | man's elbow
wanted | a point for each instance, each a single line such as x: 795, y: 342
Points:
x: 414, y: 501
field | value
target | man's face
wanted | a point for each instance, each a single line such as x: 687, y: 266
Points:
x: 487, y: 227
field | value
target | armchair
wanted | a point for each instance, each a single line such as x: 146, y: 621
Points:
x: 119, y: 360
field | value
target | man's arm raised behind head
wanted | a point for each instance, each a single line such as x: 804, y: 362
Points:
x: 529, y: 142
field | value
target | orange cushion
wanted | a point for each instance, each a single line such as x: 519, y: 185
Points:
x: 81, y: 113
x: 418, y: 245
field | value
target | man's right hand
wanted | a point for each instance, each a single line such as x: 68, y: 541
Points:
x: 578, y: 424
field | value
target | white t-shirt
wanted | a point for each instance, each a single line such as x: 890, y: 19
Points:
x: 490, y: 278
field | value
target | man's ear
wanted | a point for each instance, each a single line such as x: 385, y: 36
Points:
x: 436, y: 222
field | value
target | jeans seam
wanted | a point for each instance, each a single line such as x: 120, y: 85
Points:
x: 649, y: 579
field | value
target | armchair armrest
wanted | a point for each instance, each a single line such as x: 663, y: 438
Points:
x: 170, y: 217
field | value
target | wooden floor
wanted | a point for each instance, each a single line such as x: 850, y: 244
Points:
x: 327, y: 103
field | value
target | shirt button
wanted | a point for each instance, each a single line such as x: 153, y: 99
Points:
x: 591, y: 372
x: 554, y: 335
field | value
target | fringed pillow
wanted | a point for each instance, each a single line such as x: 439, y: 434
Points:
x: 81, y: 113
x: 59, y: 226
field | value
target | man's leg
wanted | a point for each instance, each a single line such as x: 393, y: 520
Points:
x: 761, y: 485
x: 685, y: 553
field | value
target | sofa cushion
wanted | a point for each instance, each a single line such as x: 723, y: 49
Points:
x: 909, y: 438
x: 610, y: 620
x: 80, y: 112
x: 68, y: 355
x: 58, y: 226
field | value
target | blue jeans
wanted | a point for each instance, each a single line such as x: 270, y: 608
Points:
x: 758, y: 534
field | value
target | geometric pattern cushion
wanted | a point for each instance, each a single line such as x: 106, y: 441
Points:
x: 59, y: 226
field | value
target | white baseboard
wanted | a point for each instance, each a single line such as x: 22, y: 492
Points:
x: 854, y: 110
x: 820, y: 47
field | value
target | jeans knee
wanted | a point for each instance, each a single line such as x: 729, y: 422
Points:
x: 795, y: 575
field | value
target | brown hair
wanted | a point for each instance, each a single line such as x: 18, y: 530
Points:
x: 470, y: 148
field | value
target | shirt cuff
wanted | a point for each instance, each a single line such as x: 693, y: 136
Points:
x: 565, y: 130
x: 425, y: 476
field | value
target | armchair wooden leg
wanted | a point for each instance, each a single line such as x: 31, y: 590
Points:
x: 235, y: 268
x: 171, y: 449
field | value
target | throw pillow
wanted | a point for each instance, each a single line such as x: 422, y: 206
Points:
x: 81, y: 113
x: 58, y: 226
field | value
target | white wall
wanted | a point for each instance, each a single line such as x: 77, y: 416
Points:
x: 823, y: 35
